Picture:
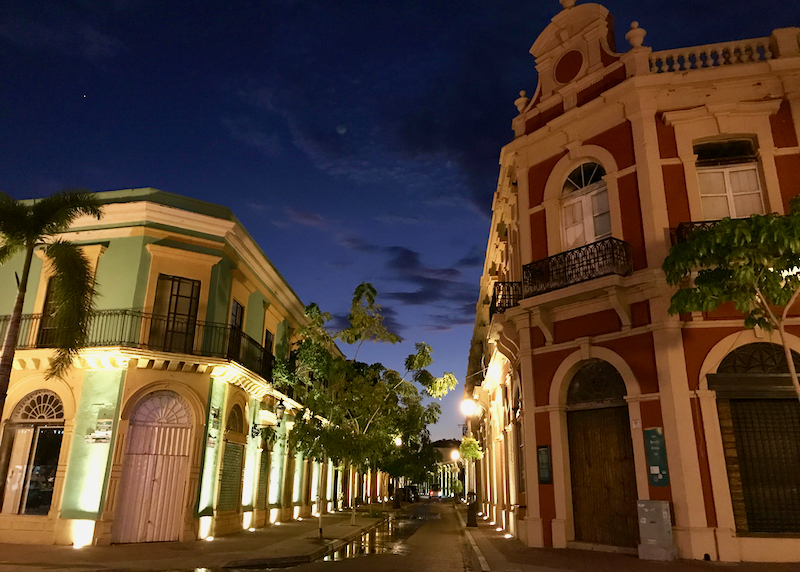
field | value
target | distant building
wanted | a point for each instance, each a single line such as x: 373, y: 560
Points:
x: 165, y: 427
x: 593, y: 397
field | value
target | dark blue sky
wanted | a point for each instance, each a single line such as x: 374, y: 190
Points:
x: 356, y: 141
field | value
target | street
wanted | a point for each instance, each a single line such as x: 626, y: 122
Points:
x: 426, y: 538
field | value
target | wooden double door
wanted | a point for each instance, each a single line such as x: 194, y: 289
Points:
x: 603, y: 476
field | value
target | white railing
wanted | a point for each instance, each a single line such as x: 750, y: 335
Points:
x: 711, y: 55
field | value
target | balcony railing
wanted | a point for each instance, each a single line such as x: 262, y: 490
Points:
x: 601, y: 258
x: 711, y: 55
x: 506, y: 295
x: 133, y: 329
x: 684, y: 229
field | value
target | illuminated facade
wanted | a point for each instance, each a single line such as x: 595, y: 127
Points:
x: 592, y: 396
x: 165, y: 427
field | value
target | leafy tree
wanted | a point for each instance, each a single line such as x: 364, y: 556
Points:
x: 753, y: 263
x: 470, y: 449
x: 354, y: 410
x: 26, y: 226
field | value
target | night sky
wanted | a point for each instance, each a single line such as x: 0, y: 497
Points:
x: 356, y: 141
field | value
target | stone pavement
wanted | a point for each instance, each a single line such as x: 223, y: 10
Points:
x: 494, y: 553
x: 275, y: 545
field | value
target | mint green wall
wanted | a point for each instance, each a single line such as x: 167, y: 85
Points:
x: 251, y: 458
x: 89, y: 463
x: 8, y: 283
x: 211, y: 451
x: 122, y: 274
x: 254, y: 316
x: 282, y: 339
x: 276, y: 466
x: 220, y: 292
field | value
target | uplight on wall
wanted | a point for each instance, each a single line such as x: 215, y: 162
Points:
x: 82, y: 533
x: 204, y: 530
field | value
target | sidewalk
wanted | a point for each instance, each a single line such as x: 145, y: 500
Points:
x: 495, y: 553
x: 288, y: 543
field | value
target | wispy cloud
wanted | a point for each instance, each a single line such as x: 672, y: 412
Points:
x: 244, y: 130
x: 58, y: 28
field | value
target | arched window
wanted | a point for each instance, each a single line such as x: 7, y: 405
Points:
x: 596, y: 383
x: 584, y: 203
x: 36, y: 428
x: 235, y: 420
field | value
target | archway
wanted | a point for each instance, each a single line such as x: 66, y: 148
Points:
x: 602, y: 470
x: 34, y: 434
x: 155, y: 470
x: 759, y: 417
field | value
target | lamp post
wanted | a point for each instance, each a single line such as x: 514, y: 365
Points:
x: 469, y: 407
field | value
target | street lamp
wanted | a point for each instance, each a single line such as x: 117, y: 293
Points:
x: 280, y: 410
x: 469, y: 407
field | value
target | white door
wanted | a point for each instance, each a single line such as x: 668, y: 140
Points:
x: 17, y: 467
x: 153, y: 481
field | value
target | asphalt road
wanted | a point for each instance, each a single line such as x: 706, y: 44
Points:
x: 426, y: 539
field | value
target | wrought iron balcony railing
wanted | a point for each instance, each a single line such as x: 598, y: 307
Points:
x: 601, y: 258
x: 684, y: 229
x: 506, y: 295
x: 133, y: 329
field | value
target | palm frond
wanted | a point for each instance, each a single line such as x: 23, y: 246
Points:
x: 73, y: 293
x: 14, y: 219
x: 56, y: 213
x: 8, y: 249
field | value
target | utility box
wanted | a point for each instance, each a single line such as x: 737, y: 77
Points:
x: 655, y: 530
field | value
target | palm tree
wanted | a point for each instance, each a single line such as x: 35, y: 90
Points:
x: 25, y: 226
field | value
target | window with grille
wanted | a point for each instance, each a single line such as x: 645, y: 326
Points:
x: 760, y: 427
x: 175, y: 314
x: 586, y: 215
x: 729, y: 179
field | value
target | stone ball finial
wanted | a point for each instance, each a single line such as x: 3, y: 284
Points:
x: 567, y: 3
x: 635, y: 35
x: 522, y: 101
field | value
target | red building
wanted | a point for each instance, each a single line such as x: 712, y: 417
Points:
x: 592, y: 396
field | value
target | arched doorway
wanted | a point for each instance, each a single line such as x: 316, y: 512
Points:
x: 34, y: 435
x: 759, y: 416
x: 155, y: 470
x: 602, y: 469
x: 230, y: 489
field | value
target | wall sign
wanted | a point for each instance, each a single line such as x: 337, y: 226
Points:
x: 545, y: 466
x: 656, y: 453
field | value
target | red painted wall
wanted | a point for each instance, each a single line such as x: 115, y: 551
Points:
x: 639, y: 353
x: 619, y: 142
x: 538, y: 235
x: 631, y: 212
x: 783, y: 132
x: 788, y: 167
x: 537, y: 179
x: 544, y: 367
x: 595, y: 324
x: 667, y: 144
x: 676, y: 194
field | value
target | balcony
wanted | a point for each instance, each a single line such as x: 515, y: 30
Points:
x: 683, y: 230
x: 506, y: 295
x: 602, y: 258
x: 138, y: 330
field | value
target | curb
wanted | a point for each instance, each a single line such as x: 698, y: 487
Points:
x: 481, y: 558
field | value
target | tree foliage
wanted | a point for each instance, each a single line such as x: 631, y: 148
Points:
x: 26, y: 226
x: 753, y: 263
x: 470, y: 449
x: 354, y: 410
